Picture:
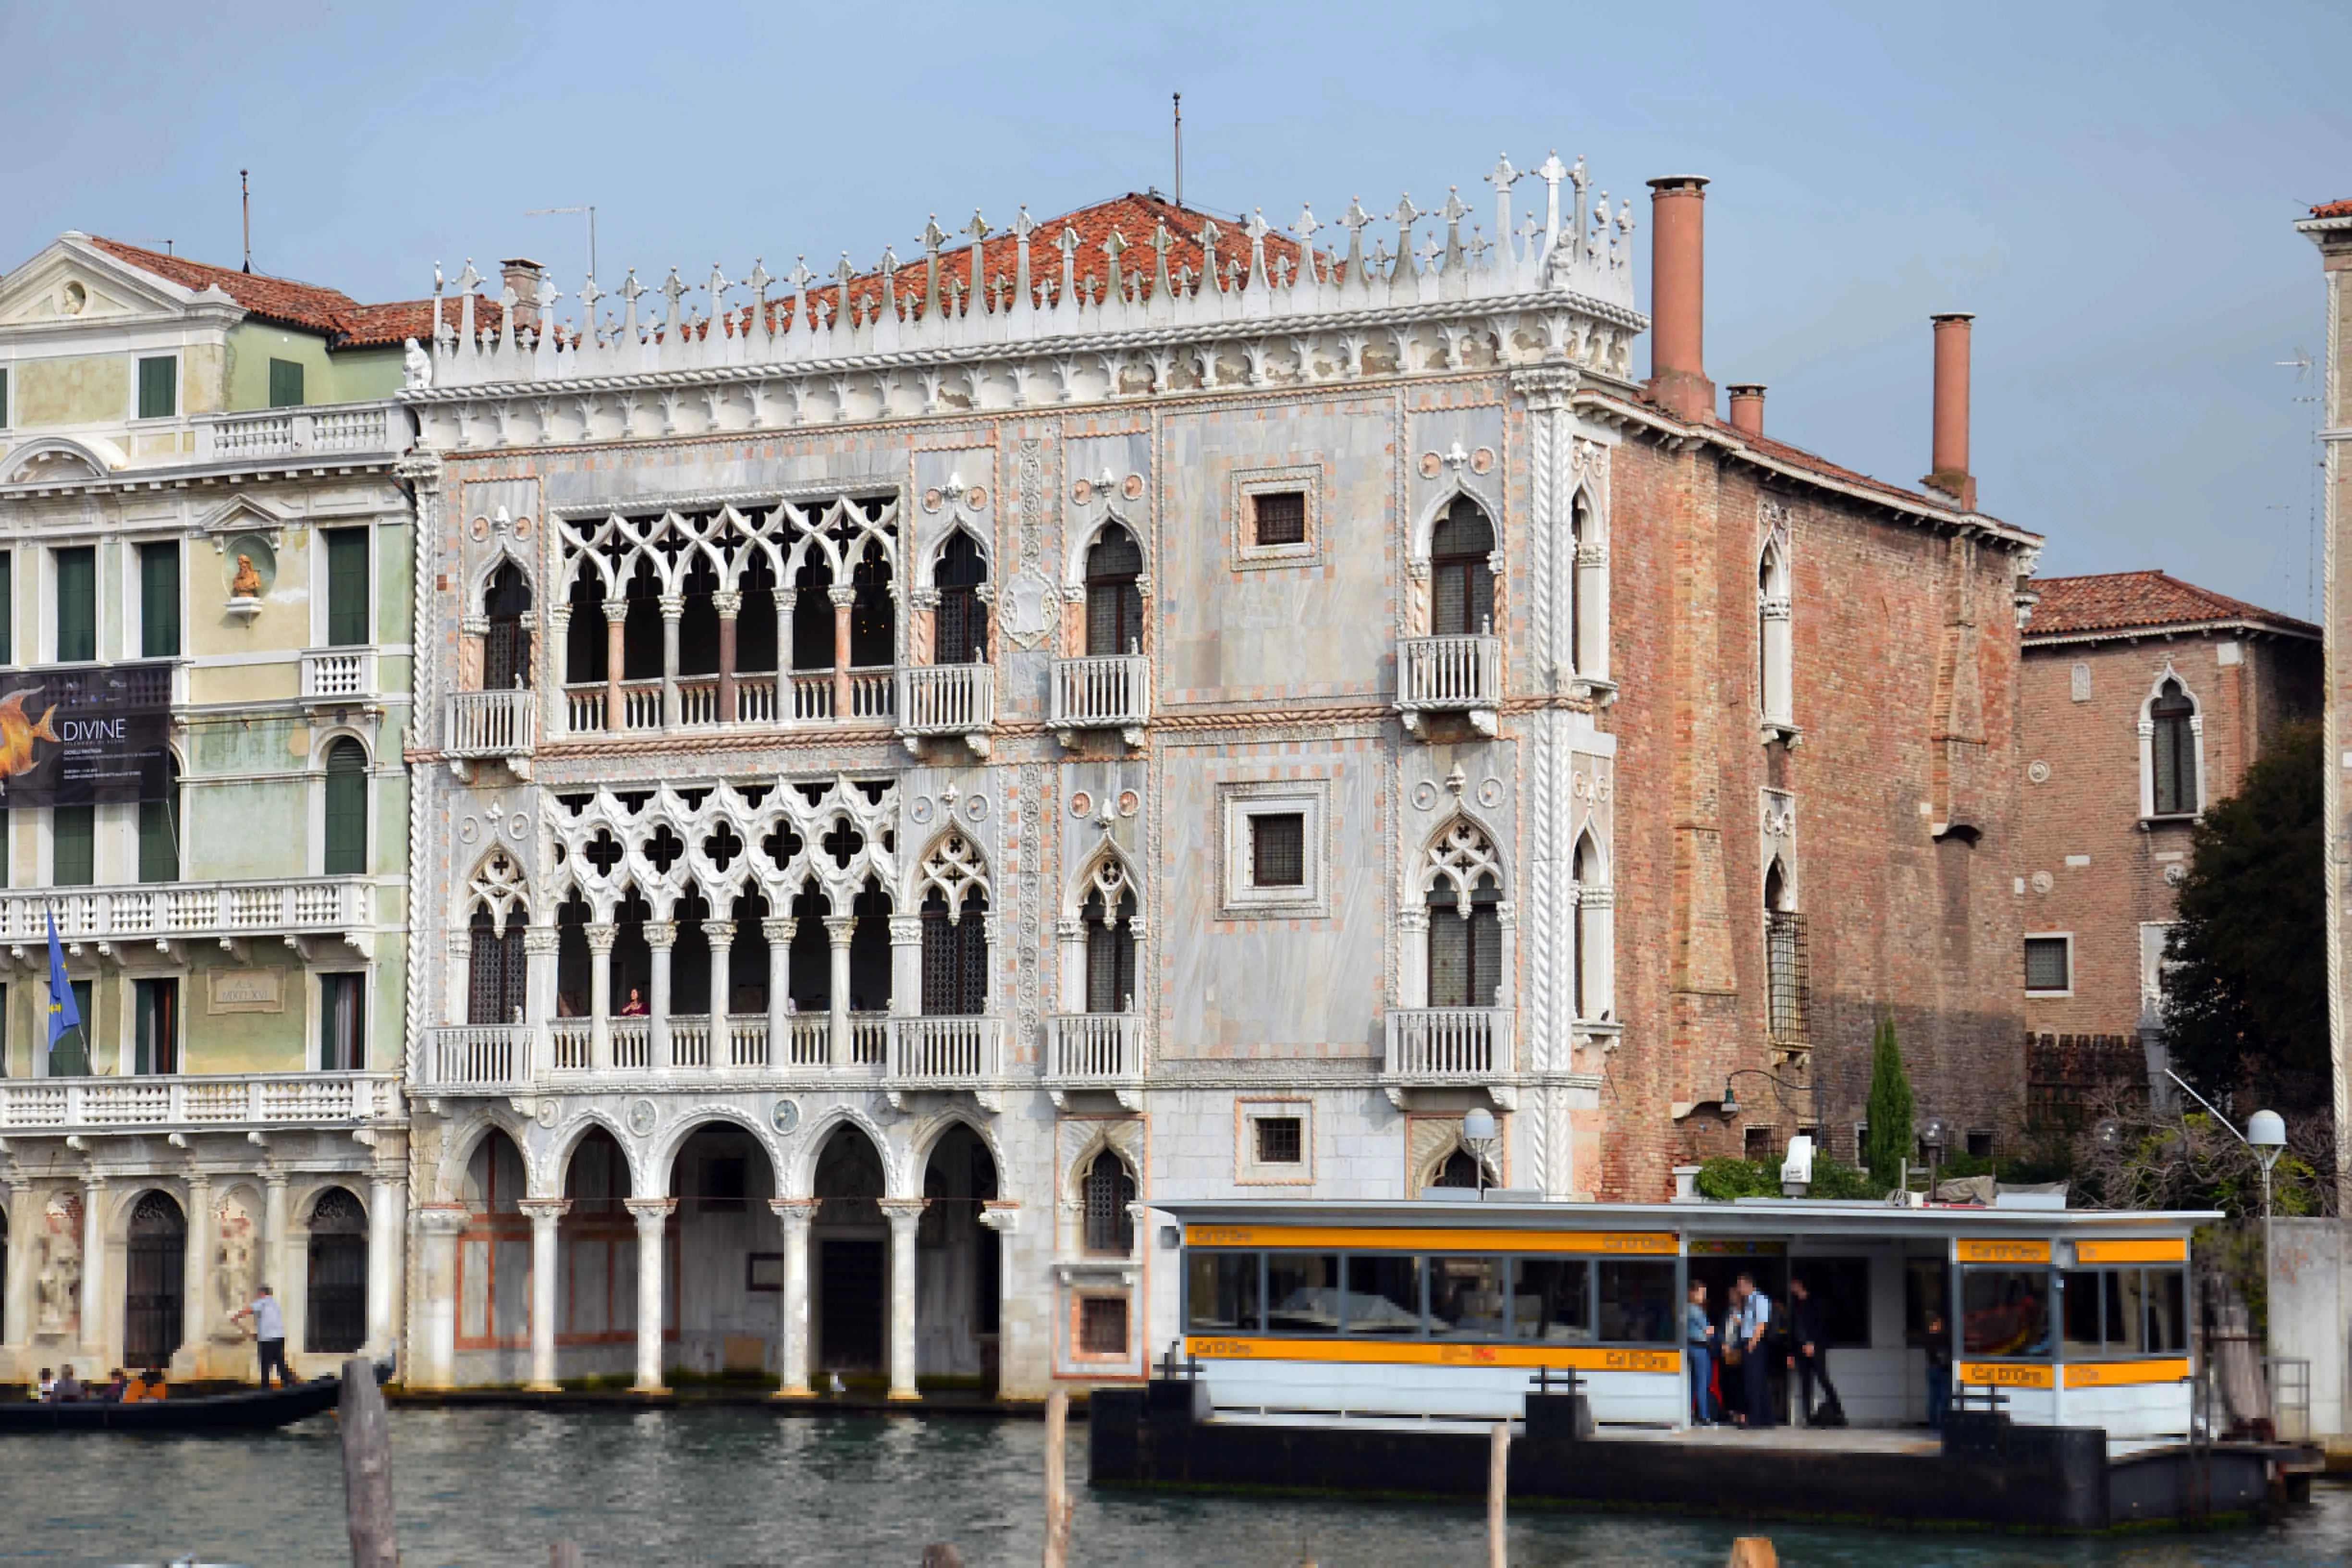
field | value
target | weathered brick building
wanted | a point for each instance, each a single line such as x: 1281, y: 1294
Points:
x: 2142, y: 701
x: 918, y: 766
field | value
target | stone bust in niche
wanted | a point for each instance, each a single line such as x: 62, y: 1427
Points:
x: 246, y: 584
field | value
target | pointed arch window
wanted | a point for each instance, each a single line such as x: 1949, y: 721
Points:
x: 1114, y: 594
x: 1107, y: 1188
x: 960, y: 628
x: 1773, y: 646
x: 955, y: 928
x: 1466, y: 927
x: 2172, y: 748
x: 1108, y: 915
x: 495, y: 977
x: 505, y: 643
x: 1460, y: 571
x: 1784, y: 961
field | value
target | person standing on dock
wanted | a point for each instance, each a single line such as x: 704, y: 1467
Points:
x: 1809, y: 1357
x: 1698, y: 1335
x: 1939, y: 1372
x: 269, y: 1334
x: 1755, y: 1323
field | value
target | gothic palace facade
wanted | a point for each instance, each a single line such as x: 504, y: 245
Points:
x: 912, y: 768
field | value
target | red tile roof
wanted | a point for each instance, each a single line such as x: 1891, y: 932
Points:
x: 2333, y: 209
x: 2126, y: 600
x: 372, y: 326
x: 336, y: 316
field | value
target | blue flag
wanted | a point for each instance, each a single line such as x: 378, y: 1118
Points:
x: 63, y: 1014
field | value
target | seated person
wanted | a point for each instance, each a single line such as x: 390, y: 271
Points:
x: 46, y: 1386
x: 147, y: 1386
x: 68, y: 1389
x: 116, y: 1387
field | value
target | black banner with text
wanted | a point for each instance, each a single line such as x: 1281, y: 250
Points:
x: 82, y: 734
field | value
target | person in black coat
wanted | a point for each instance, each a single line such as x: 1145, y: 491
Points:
x: 1809, y: 1355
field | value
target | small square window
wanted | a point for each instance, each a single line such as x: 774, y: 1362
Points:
x: 2049, y: 963
x: 1102, y: 1325
x: 1279, y: 1141
x: 1278, y: 850
x: 159, y: 387
x: 1980, y: 1143
x: 1280, y: 517
x: 1760, y: 1143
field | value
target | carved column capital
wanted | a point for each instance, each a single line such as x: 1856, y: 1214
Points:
x: 545, y: 1211
x: 440, y: 1219
x: 727, y: 602
x: 780, y: 931
x: 542, y: 940
x: 906, y: 931
x: 719, y: 931
x: 601, y: 935
x: 903, y: 1211
x: 843, y: 598
x: 661, y: 935
x: 837, y: 929
x: 651, y: 1213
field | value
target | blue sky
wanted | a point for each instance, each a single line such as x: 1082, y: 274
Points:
x: 2111, y: 189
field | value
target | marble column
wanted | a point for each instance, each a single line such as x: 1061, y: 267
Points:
x: 778, y: 933
x: 546, y: 1214
x: 16, y: 1292
x: 903, y: 1214
x: 673, y: 608
x: 196, y: 1273
x: 785, y: 599
x: 437, y: 1229
x: 843, y: 598
x: 720, y: 934
x: 388, y: 1197
x: 795, y: 1215
x: 729, y: 603
x: 906, y: 965
x: 273, y: 1244
x: 540, y: 944
x: 1070, y: 981
x: 94, y: 1304
x: 837, y: 930
x: 1413, y: 955
x: 601, y: 934
x: 653, y: 1217
x: 661, y: 936
x: 616, y: 639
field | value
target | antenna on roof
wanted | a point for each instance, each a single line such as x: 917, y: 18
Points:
x: 591, y: 211
x: 244, y: 189
x: 1179, y: 149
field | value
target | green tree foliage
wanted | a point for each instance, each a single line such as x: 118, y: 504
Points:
x: 2245, y: 1002
x: 1889, y: 1141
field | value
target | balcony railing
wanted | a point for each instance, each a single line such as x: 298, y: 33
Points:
x: 1449, y: 675
x: 321, y: 905
x: 64, y: 1105
x: 1448, y: 1045
x: 813, y: 700
x: 1109, y: 693
x: 490, y: 723
x: 288, y: 432
x: 1095, y: 1048
x: 501, y: 1057
x: 338, y: 675
x: 952, y: 1051
x: 947, y: 700
x: 480, y: 1056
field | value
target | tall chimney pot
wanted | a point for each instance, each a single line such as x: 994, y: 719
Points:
x: 522, y: 275
x: 1947, y: 463
x: 1679, y: 298
x: 1748, y: 408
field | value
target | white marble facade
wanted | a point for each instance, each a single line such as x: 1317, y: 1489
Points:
x: 1242, y: 826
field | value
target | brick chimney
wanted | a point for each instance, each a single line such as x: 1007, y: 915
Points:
x: 522, y: 276
x: 1947, y: 467
x: 1679, y: 298
x: 1748, y: 408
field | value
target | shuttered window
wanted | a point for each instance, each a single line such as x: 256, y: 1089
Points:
x: 347, y: 810
x: 955, y: 957
x: 285, y: 384
x: 1114, y: 594
x: 159, y: 387
x: 159, y: 600
x: 77, y: 605
x: 3, y: 397
x: 347, y: 586
x: 73, y: 846
x: 1465, y: 955
x: 1461, y: 581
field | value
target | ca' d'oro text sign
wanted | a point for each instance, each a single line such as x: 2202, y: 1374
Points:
x: 84, y: 733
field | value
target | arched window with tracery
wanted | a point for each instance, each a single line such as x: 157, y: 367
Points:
x: 506, y: 642
x: 1114, y: 594
x: 1465, y: 883
x: 1595, y: 933
x: 1773, y: 647
x: 1107, y: 1188
x: 953, y: 882
x: 494, y: 986
x: 1108, y: 915
x: 2174, y: 784
x: 1462, y: 572
x: 959, y: 627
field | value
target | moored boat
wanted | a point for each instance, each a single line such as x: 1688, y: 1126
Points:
x: 255, y: 1410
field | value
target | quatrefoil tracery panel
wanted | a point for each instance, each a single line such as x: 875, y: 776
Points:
x: 955, y: 868
x: 841, y: 533
x: 499, y: 885
x: 1461, y: 858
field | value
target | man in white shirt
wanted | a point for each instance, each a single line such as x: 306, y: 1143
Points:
x: 269, y: 1331
x: 1754, y: 1323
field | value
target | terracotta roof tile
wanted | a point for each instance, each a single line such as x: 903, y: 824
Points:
x: 2124, y: 601
x: 336, y: 316
x: 374, y: 326
x: 2333, y: 209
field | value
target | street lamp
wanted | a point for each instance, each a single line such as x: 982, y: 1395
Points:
x: 2265, y: 1136
x: 1934, y: 1134
x: 1481, y: 1137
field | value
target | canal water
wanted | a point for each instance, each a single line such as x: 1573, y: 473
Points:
x: 728, y: 1486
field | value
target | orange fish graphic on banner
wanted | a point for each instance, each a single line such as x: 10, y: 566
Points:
x: 19, y: 733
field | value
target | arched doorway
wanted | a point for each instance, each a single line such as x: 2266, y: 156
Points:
x: 724, y: 1255
x: 958, y: 1267
x: 334, y: 1318
x: 851, y: 1310
x: 597, y: 1262
x: 494, y: 1252
x: 154, y: 1305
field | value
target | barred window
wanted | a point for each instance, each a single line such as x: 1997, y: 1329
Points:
x: 1280, y: 517
x: 1109, y: 1187
x: 1279, y: 849
x: 1279, y: 1141
x: 2049, y: 963
x: 1102, y: 1325
x: 1784, y: 976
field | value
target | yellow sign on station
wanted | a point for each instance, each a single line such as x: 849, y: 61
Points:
x: 2125, y: 1373
x: 2000, y: 1250
x: 2008, y: 1375
x: 1399, y: 1239
x: 2163, y: 1250
x: 1433, y: 1353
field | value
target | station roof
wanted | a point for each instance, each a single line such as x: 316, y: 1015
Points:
x: 1756, y: 1218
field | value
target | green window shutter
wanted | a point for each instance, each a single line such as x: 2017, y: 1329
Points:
x: 77, y: 605
x: 3, y: 397
x: 285, y: 384
x: 8, y: 606
x: 158, y: 829
x: 73, y: 846
x: 159, y: 387
x: 347, y: 809
x: 8, y: 847
x: 159, y: 600
x: 347, y: 586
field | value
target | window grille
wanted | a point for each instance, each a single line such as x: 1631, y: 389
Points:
x: 1784, y: 977
x: 960, y: 626
x: 1465, y: 955
x: 1760, y: 1143
x: 1111, y: 955
x: 1279, y: 849
x: 494, y: 987
x: 1462, y: 580
x: 1280, y: 517
x: 1109, y: 1189
x: 955, y: 956
x: 1114, y: 594
x: 2048, y: 964
x: 1280, y: 1140
x: 1102, y: 1325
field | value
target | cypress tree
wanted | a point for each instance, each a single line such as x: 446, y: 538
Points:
x: 1888, y: 1142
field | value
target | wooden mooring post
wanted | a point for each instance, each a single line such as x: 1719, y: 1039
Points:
x: 1057, y: 1502
x: 367, y: 1470
x: 1498, y: 1492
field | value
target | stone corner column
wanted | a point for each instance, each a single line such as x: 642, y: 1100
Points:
x: 435, y: 1312
x: 906, y: 965
x: 837, y: 932
x: 652, y: 1215
x: 546, y: 1214
x: 388, y: 1196
x: 93, y: 1272
x: 601, y: 935
x: 794, y: 1216
x: 661, y: 937
x: 903, y: 1214
x: 196, y: 1275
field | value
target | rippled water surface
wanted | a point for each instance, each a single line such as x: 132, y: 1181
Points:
x: 726, y: 1486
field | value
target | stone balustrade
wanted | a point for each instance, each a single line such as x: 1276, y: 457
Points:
x: 489, y: 723
x: 947, y: 700
x: 800, y: 696
x: 1109, y: 691
x: 163, y: 912
x: 1448, y: 1046
x: 64, y: 1105
x: 332, y: 675
x: 1450, y: 675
